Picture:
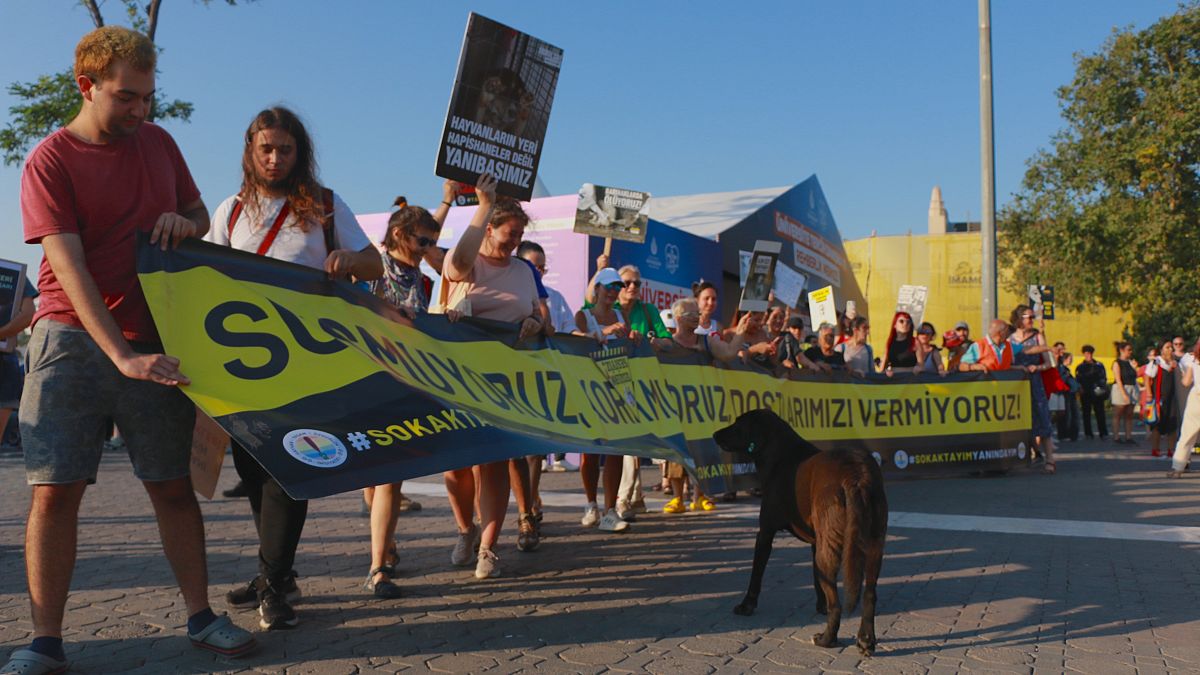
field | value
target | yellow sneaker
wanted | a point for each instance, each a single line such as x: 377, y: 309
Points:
x: 703, y: 504
x: 674, y: 506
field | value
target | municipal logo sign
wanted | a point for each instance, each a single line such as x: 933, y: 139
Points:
x: 315, y: 448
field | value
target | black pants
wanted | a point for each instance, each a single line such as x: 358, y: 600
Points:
x: 1093, y: 404
x: 278, y: 518
x: 1068, y: 419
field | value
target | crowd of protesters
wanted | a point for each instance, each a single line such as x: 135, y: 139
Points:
x: 88, y: 188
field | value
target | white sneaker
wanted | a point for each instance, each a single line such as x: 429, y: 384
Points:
x: 591, y: 516
x: 567, y: 466
x: 612, y: 523
x: 488, y: 566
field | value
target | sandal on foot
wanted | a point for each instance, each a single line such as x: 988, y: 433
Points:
x: 29, y: 662
x: 1174, y: 474
x: 223, y: 637
x: 1050, y: 468
x: 384, y: 589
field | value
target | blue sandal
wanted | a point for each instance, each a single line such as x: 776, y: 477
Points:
x: 29, y: 662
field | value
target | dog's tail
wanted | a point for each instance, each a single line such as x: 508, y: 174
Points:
x: 858, y: 514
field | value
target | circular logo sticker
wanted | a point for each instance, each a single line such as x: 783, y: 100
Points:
x: 315, y: 448
x: 878, y: 458
x: 1021, y: 450
x: 900, y: 459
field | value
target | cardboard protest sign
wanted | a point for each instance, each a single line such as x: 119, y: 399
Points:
x: 1041, y: 300
x: 822, y: 307
x: 12, y: 291
x: 912, y: 299
x: 611, y: 212
x: 209, y: 444
x: 789, y: 284
x: 499, y: 108
x: 761, y: 277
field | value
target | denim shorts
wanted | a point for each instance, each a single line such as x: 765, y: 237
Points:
x: 73, y: 391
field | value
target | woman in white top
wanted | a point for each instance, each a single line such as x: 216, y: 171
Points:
x: 1190, y: 366
x: 859, y: 356
x: 282, y: 212
x: 603, y: 322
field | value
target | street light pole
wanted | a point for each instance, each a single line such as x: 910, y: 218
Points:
x: 987, y: 158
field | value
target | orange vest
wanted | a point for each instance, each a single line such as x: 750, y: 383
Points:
x: 988, y: 357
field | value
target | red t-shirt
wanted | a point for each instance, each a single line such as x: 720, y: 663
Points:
x: 105, y: 194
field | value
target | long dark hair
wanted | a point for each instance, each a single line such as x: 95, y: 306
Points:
x: 301, y: 186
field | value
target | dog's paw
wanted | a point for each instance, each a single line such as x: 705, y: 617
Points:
x: 820, y: 640
x: 744, y: 609
x: 865, y: 647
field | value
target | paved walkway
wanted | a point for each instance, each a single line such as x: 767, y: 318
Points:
x: 1093, y: 571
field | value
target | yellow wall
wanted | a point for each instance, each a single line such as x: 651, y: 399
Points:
x: 949, y: 264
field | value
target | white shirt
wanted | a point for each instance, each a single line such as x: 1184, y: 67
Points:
x: 562, y: 317
x: 292, y: 244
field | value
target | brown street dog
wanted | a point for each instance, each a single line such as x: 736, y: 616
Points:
x: 833, y: 500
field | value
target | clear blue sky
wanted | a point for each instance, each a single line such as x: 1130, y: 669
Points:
x: 879, y: 99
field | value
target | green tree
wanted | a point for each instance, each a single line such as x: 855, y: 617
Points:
x: 50, y: 101
x: 1109, y: 213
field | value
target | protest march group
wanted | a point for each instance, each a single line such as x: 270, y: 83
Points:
x: 101, y: 363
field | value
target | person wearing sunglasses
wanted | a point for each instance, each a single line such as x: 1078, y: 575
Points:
x: 901, y: 346
x: 1034, y: 356
x: 411, y: 232
x: 603, y: 321
x: 929, y: 356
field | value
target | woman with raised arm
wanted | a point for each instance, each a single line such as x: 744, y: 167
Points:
x: 482, y: 271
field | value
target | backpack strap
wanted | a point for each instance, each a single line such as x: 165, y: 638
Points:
x: 233, y: 217
x: 327, y: 224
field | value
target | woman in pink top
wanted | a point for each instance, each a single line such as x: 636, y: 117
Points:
x: 502, y: 288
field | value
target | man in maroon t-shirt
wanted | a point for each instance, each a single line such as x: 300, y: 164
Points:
x: 95, y: 356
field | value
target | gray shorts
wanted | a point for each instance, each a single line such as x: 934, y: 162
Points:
x: 73, y: 391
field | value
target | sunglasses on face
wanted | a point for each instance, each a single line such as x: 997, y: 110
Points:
x: 1026, y: 316
x: 632, y: 283
x: 423, y: 242
x: 924, y: 332
x: 903, y: 321
x: 614, y: 286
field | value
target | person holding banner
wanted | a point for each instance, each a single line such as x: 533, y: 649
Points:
x: 929, y: 357
x: 87, y: 190
x: 281, y: 211
x: 686, y: 312
x: 858, y: 355
x: 901, y: 346
x: 481, y: 273
x: 1034, y: 355
x: 411, y: 232
x: 603, y: 322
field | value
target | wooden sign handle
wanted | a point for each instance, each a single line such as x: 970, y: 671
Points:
x: 607, y: 246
